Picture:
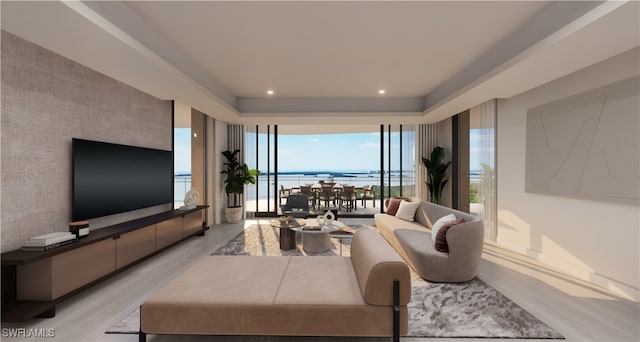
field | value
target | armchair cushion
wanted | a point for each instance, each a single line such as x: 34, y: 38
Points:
x: 441, y: 238
x: 440, y: 223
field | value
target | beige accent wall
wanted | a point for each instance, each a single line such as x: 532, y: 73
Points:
x: 597, y: 241
x: 46, y: 101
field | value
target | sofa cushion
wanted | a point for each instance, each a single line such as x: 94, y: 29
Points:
x: 213, y: 297
x: 407, y: 210
x: 320, y: 279
x: 440, y: 223
x: 377, y: 265
x: 386, y: 224
x: 394, y: 204
x: 325, y: 289
x: 441, y: 238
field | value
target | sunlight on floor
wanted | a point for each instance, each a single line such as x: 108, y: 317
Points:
x: 546, y: 274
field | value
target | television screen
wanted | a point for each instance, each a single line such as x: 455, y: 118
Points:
x: 111, y: 178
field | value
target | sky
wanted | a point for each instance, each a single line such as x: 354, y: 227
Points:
x: 322, y: 152
x: 182, y: 150
x: 339, y: 152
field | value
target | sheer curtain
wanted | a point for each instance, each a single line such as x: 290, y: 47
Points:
x: 426, y: 141
x: 487, y: 119
x: 235, y: 141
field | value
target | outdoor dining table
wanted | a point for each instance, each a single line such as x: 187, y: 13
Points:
x: 337, y: 189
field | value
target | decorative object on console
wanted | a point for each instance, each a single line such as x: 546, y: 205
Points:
x: 79, y: 228
x: 191, y: 199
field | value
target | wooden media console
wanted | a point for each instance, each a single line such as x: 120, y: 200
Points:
x: 34, y: 282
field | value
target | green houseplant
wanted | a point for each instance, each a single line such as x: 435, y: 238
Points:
x: 238, y: 175
x: 436, y: 171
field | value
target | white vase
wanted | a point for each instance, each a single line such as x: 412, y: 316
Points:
x: 321, y: 220
x: 233, y: 215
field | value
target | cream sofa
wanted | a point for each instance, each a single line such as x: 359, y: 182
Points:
x: 413, y: 242
x: 293, y: 295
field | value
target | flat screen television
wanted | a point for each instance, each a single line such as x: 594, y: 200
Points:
x: 110, y: 178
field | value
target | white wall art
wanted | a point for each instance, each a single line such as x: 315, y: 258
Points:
x: 587, y: 145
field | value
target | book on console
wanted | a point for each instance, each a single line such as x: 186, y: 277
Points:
x: 47, y: 247
x: 49, y: 239
x: 50, y: 236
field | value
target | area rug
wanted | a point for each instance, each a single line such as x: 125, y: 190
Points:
x: 470, y: 310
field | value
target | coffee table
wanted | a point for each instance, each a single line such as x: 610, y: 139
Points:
x: 288, y: 232
x: 315, y: 237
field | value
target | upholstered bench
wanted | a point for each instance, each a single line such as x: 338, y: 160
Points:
x: 362, y: 295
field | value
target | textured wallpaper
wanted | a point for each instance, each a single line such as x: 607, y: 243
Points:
x: 47, y: 100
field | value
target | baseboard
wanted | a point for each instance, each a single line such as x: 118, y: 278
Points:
x: 615, y: 287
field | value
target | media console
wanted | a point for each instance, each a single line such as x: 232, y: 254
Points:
x: 34, y: 282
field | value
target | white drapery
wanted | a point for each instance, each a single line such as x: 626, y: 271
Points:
x: 487, y: 156
x: 235, y: 140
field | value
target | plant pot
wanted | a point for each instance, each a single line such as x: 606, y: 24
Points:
x: 233, y: 214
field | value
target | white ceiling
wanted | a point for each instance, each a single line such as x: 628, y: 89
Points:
x: 327, y: 60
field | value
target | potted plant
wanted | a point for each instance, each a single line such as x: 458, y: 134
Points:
x: 237, y: 177
x: 436, y: 171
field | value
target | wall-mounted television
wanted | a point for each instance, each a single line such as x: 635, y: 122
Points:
x: 110, y: 178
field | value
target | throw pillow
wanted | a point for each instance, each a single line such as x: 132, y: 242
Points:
x: 407, y: 210
x: 441, y: 239
x: 441, y: 221
x: 394, y: 204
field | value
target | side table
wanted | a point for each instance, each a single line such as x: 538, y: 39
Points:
x: 287, y: 232
x: 315, y: 237
x: 341, y: 234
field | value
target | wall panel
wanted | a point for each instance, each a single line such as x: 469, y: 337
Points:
x: 46, y: 101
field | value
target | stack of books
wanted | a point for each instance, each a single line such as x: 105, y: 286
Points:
x: 49, y: 241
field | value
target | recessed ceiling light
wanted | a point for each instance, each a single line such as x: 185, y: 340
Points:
x: 381, y: 91
x: 270, y: 92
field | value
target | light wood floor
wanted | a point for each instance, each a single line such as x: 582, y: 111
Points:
x: 579, y: 311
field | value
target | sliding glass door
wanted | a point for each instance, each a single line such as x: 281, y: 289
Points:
x: 377, y: 161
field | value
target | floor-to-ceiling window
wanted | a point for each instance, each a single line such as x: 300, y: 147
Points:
x: 188, y: 152
x: 181, y: 152
x: 400, y: 160
x: 260, y: 143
